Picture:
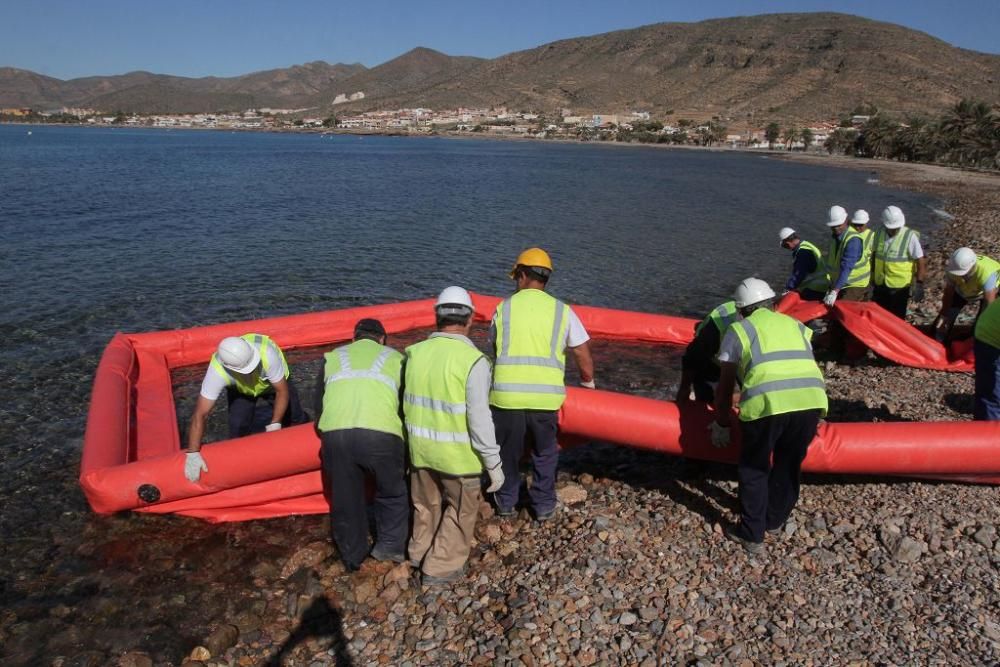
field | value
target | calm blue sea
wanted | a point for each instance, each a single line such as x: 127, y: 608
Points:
x: 109, y: 230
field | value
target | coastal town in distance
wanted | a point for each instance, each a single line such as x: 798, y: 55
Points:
x: 493, y: 122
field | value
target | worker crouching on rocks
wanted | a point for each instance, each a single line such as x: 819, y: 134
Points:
x: 362, y: 433
x: 848, y: 259
x: 248, y: 368
x: 808, y: 270
x: 699, y: 365
x: 782, y: 399
x: 451, y: 439
x: 970, y: 278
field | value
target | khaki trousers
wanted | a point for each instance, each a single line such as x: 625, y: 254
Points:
x: 445, y: 510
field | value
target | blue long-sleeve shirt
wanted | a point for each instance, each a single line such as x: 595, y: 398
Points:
x: 803, y: 264
x: 852, y: 253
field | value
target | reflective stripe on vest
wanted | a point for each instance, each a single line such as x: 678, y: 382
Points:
x: 531, y: 355
x: 721, y: 316
x: 777, y: 369
x: 988, y: 325
x: 861, y: 271
x: 970, y: 286
x: 434, y: 403
x: 893, y: 263
x: 818, y: 280
x: 258, y: 382
x: 363, y: 393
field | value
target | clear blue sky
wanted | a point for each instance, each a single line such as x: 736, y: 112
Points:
x: 72, y: 38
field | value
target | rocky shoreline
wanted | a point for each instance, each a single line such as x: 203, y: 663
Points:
x: 634, y: 569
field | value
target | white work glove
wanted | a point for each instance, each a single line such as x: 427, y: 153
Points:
x: 830, y: 298
x: 720, y: 435
x: 194, y: 465
x: 588, y: 384
x: 276, y: 426
x: 496, y: 478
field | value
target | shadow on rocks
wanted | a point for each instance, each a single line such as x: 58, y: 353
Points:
x: 697, y: 485
x: 859, y: 411
x: 319, y: 621
x: 961, y: 403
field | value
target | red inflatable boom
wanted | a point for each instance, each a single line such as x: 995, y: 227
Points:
x: 132, y: 456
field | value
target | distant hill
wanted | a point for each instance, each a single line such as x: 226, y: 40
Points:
x: 789, y: 66
x: 773, y: 67
x: 144, y: 92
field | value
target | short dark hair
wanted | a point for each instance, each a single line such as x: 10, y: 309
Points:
x: 539, y: 273
x: 452, y: 320
x: 369, y: 328
x: 745, y: 311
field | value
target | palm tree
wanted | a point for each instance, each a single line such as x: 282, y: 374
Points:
x: 790, y: 136
x: 807, y: 137
x: 771, y: 134
x: 878, y: 137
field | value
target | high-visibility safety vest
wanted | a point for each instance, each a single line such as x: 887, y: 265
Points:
x: 253, y: 383
x: 988, y: 325
x: 777, y: 370
x: 970, y: 286
x: 437, y: 373
x: 362, y: 388
x: 893, y: 262
x: 530, y: 368
x: 721, y: 316
x: 860, y: 274
x: 818, y: 280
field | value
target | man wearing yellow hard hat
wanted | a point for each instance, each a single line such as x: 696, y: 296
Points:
x: 531, y: 332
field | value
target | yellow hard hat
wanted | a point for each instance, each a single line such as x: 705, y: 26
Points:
x: 532, y: 257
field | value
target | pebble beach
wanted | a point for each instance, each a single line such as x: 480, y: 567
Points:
x: 634, y: 568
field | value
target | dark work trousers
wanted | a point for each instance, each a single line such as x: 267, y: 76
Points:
x: 246, y: 416
x: 893, y: 299
x: 347, y: 455
x: 513, y: 428
x: 768, y: 492
x: 987, y: 405
x: 811, y: 295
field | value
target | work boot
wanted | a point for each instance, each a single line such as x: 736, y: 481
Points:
x: 380, y: 554
x: 752, y: 548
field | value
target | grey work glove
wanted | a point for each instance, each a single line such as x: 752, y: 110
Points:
x: 588, y: 384
x: 830, y: 298
x: 194, y: 465
x: 720, y: 435
x: 918, y: 293
x: 496, y: 478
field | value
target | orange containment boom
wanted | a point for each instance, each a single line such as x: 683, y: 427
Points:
x: 132, y: 456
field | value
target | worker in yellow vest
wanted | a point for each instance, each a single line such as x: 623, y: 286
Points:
x: 248, y: 368
x: 987, y: 351
x: 847, y: 259
x: 782, y: 398
x: 531, y: 332
x: 970, y: 278
x: 808, y: 270
x: 898, y: 263
x: 451, y: 439
x: 362, y: 434
x: 699, y: 366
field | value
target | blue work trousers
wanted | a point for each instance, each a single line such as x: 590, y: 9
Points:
x: 514, y: 429
x: 987, y: 406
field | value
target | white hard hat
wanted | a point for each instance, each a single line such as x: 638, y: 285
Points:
x: 893, y: 218
x: 860, y: 217
x: 453, y: 301
x: 784, y: 234
x: 836, y: 216
x: 961, y: 261
x: 238, y: 355
x: 751, y: 291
